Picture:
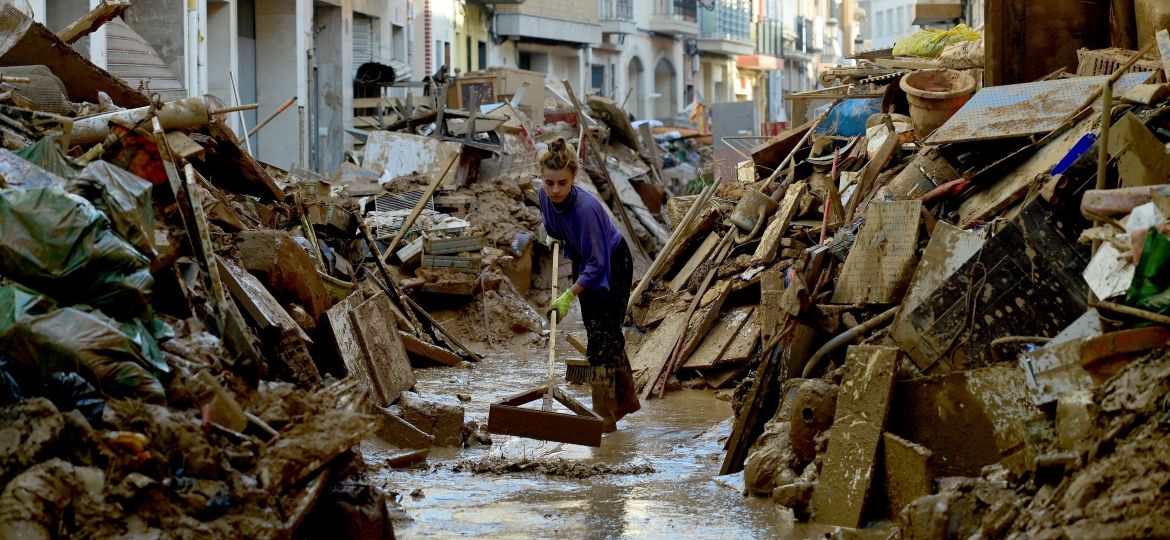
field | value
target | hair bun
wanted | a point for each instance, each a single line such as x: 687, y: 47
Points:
x: 560, y: 155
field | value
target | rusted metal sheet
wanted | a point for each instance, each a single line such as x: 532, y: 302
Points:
x: 1017, y: 110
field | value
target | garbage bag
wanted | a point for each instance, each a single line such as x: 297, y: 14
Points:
x: 147, y: 344
x: 47, y: 154
x: 17, y: 301
x: 1150, y: 288
x: 9, y: 388
x: 70, y: 339
x: 69, y: 390
x: 930, y: 43
x: 16, y: 171
x: 60, y: 243
x: 124, y: 198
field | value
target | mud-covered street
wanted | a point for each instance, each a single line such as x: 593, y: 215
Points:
x: 294, y: 270
x: 680, y: 437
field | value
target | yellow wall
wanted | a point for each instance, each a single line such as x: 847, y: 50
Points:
x: 469, y: 22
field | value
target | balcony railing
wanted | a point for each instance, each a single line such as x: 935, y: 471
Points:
x: 770, y: 38
x: 617, y: 10
x: 730, y: 20
x: 685, y: 10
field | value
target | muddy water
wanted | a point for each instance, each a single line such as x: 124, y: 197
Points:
x: 680, y: 436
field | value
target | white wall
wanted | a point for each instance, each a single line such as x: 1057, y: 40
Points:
x: 282, y: 38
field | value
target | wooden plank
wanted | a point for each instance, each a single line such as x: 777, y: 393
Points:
x: 349, y: 348
x: 183, y: 146
x: 1163, y: 37
x: 849, y: 463
x: 701, y: 254
x: 261, y: 306
x: 771, y: 293
x: 741, y: 348
x: 870, y: 173
x: 719, y: 376
x: 657, y: 346
x: 428, y: 351
x: 703, y: 319
x: 105, y: 12
x: 377, y: 331
x: 882, y: 261
x: 716, y: 342
x: 544, y: 425
x: 758, y: 407
x: 770, y: 243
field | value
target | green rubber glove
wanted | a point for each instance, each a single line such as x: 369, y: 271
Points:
x: 562, y: 303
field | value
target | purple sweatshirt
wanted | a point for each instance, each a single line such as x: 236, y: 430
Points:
x: 582, y: 224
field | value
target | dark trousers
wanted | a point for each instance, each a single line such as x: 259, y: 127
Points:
x: 604, y: 311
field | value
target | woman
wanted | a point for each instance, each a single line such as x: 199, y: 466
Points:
x: 602, y: 272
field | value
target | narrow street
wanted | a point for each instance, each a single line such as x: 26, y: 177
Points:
x: 680, y: 436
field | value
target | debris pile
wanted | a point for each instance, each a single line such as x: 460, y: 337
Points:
x: 937, y: 307
x: 195, y: 342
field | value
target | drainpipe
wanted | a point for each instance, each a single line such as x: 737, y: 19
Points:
x: 428, y: 47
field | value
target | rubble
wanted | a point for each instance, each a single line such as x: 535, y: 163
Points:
x: 941, y: 301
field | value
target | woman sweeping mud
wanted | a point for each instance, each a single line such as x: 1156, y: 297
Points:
x: 602, y: 272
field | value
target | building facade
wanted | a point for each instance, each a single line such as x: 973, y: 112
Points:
x: 654, y: 57
x: 885, y: 21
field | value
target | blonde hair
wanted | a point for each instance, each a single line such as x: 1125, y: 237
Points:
x: 560, y: 155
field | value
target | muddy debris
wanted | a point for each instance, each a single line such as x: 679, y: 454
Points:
x: 550, y: 467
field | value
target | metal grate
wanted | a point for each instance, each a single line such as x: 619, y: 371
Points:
x: 402, y: 203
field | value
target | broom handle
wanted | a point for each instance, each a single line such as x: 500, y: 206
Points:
x: 552, y: 325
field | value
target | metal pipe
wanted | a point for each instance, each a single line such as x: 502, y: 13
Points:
x: 844, y: 338
x: 274, y: 114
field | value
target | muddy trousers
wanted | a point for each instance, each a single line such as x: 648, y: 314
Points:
x: 614, y: 395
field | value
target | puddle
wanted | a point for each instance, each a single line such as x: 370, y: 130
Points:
x: 681, y: 436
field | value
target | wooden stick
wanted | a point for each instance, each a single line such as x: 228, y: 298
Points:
x: 552, y: 327
x: 283, y: 107
x: 391, y: 287
x: 659, y: 385
x: 673, y: 360
x: 450, y: 337
x: 1132, y: 312
x: 418, y: 208
x: 237, y: 108
x: 105, y: 12
x: 618, y: 206
x: 675, y: 235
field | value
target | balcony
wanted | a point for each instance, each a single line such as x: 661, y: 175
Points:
x: 726, y: 29
x: 617, y: 17
x: 550, y: 22
x: 675, y: 17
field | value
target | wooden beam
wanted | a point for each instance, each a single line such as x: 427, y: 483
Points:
x: 105, y: 12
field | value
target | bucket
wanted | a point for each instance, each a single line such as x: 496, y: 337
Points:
x: 336, y: 288
x: 935, y: 95
x: 747, y: 211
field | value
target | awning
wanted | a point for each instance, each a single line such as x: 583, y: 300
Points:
x: 760, y: 62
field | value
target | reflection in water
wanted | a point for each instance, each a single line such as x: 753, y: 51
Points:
x: 681, y: 436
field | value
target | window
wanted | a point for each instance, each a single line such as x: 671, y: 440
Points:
x: 482, y: 55
x: 900, y: 22
x: 525, y: 60
x: 597, y: 78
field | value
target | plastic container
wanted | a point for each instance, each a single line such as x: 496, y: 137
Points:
x: 935, y: 95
